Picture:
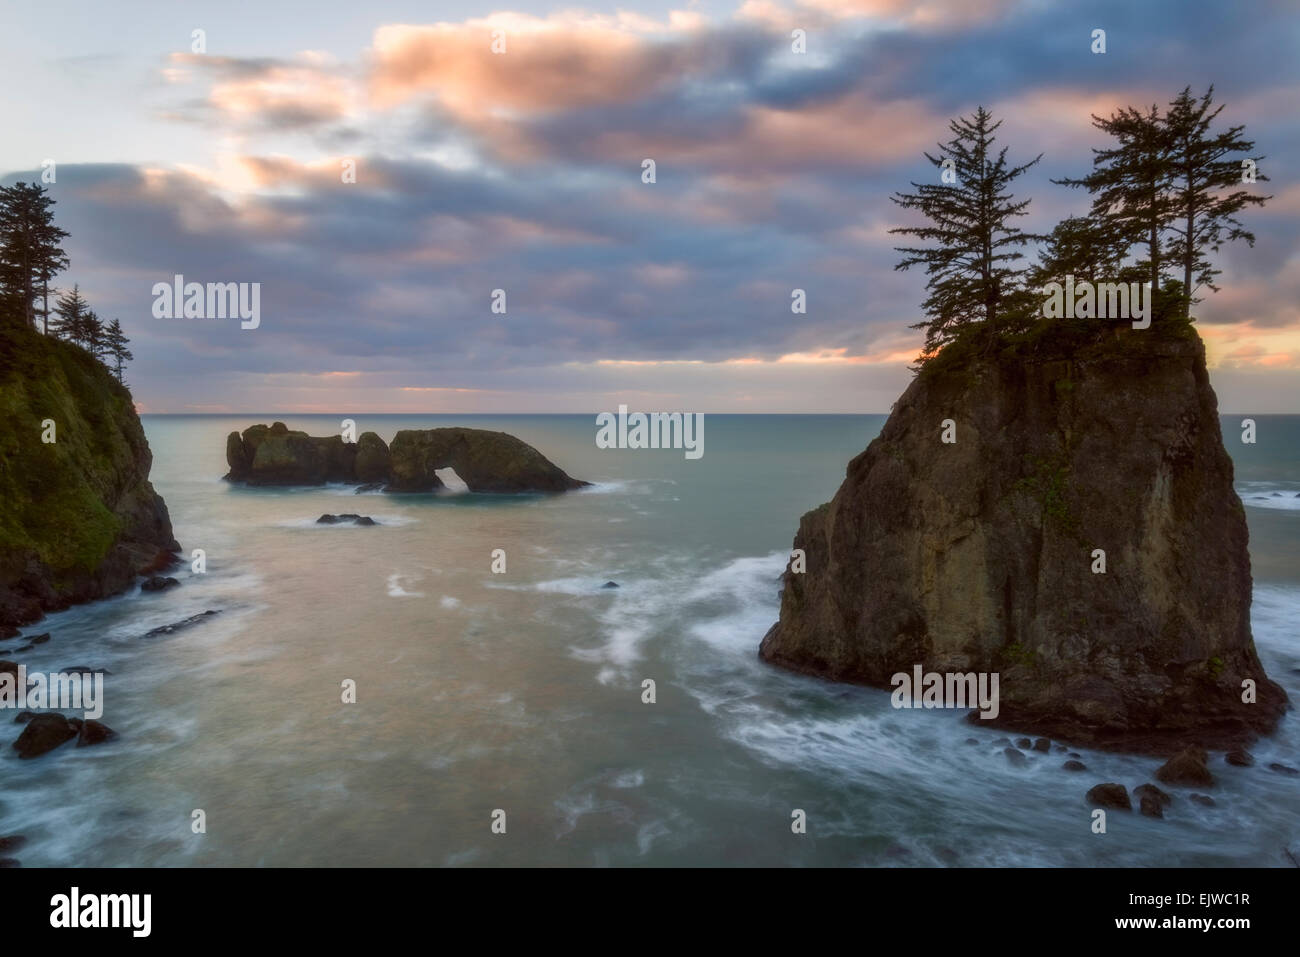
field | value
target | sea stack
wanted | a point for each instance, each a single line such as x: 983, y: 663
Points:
x: 969, y: 537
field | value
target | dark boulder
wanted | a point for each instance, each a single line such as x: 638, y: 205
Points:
x: 94, y: 732
x: 1073, y: 765
x: 1151, y: 807
x: 1187, y: 768
x: 1114, y: 796
x: 1240, y: 758
x: 1043, y: 745
x: 1153, y: 792
x: 44, y: 733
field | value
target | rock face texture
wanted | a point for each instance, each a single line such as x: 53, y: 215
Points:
x: 978, y: 555
x: 78, y: 517
x: 486, y: 461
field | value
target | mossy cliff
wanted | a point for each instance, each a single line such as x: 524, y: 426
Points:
x: 78, y: 517
x: 981, y: 554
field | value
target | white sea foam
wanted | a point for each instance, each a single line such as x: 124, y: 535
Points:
x: 397, y: 586
x: 1280, y: 495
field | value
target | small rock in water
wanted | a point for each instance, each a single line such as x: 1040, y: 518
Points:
x: 1187, y: 767
x: 347, y: 517
x: 1043, y: 745
x: 1059, y: 748
x: 1002, y: 743
x: 1202, y: 799
x: 972, y: 740
x: 1110, y: 795
x: 94, y: 732
x: 1153, y: 792
x: 1074, y: 766
x: 43, y: 733
x: 1023, y: 743
x: 1283, y: 768
x: 38, y: 639
x: 1151, y: 807
x: 1014, y: 757
x: 12, y: 842
x: 1240, y: 759
x: 610, y: 585
x: 158, y: 583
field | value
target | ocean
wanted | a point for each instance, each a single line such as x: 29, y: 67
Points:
x: 522, y: 692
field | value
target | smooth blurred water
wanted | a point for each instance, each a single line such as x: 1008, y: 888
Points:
x: 522, y: 691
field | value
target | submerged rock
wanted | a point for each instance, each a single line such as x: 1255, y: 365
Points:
x: 12, y: 842
x: 1284, y: 769
x: 176, y: 626
x: 349, y: 518
x: 610, y: 585
x: 158, y: 583
x: 1240, y: 759
x: 1015, y: 758
x: 1114, y: 796
x: 1073, y: 765
x: 44, y: 733
x: 1202, y: 799
x: 977, y: 555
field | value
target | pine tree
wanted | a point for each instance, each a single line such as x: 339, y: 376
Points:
x: 115, y: 346
x: 71, y: 308
x: 970, y: 270
x: 1130, y: 184
x: 1205, y: 189
x: 92, y: 336
x: 29, y: 247
x: 1081, y: 247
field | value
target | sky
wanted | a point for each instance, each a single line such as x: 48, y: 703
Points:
x: 222, y: 156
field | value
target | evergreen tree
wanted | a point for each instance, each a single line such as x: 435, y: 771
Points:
x: 970, y: 270
x: 92, y: 334
x: 1080, y: 247
x: 29, y: 247
x: 1130, y: 184
x: 115, y: 347
x: 1206, y: 193
x: 71, y: 308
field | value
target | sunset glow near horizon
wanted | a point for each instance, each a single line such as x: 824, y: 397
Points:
x: 521, y: 170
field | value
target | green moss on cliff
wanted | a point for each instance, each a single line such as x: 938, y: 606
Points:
x: 56, y: 494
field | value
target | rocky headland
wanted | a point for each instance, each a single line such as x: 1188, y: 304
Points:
x: 486, y: 461
x: 968, y: 537
x: 80, y: 520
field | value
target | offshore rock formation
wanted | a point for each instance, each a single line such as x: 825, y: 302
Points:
x: 978, y: 555
x: 78, y: 517
x: 485, y: 461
